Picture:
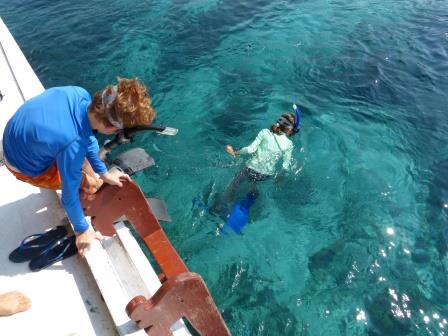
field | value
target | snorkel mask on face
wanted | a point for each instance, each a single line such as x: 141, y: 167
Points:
x: 285, y: 123
x: 109, y: 99
x: 288, y: 125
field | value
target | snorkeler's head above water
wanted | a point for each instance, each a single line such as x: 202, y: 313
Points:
x: 288, y: 123
x: 284, y: 124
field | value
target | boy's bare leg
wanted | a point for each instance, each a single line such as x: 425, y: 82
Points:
x: 13, y: 302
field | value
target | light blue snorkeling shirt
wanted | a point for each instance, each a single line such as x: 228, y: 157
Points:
x: 267, y: 149
x: 54, y: 127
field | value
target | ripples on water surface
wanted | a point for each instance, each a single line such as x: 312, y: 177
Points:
x: 354, y: 242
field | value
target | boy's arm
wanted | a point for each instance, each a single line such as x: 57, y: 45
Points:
x: 92, y: 155
x: 99, y: 167
x: 69, y: 162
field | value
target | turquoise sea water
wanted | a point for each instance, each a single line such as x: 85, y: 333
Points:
x: 354, y: 241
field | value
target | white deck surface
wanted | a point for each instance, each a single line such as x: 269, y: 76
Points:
x: 67, y: 298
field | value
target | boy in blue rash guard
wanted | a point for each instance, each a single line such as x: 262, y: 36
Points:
x: 49, y: 142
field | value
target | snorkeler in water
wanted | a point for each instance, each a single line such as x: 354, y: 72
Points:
x: 267, y: 149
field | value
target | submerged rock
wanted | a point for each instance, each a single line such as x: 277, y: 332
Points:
x: 381, y: 319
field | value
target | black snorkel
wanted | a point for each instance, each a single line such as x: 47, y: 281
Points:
x: 126, y: 135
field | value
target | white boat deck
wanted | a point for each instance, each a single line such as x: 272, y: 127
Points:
x: 67, y: 298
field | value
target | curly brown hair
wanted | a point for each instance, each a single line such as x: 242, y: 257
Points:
x: 279, y: 129
x: 132, y: 106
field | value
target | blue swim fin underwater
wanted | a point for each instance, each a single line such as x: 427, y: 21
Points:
x: 239, y: 216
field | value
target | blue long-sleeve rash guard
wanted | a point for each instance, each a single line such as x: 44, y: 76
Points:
x: 54, y: 127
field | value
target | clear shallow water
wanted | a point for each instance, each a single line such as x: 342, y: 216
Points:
x: 353, y: 242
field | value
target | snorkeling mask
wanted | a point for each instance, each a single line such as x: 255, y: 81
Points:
x: 108, y: 99
x: 286, y: 124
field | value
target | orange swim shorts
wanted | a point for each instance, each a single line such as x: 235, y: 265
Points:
x: 51, y: 179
